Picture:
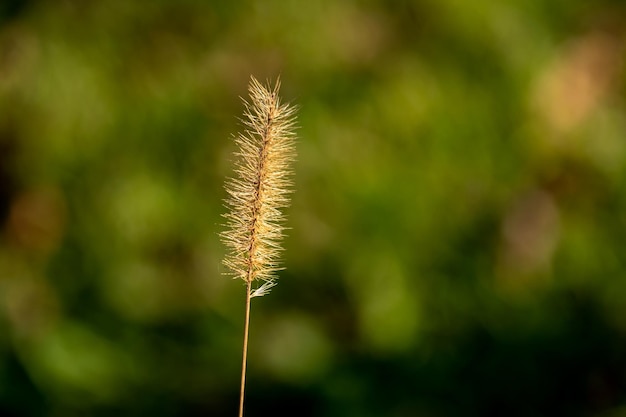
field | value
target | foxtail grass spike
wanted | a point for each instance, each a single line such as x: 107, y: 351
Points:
x: 257, y: 194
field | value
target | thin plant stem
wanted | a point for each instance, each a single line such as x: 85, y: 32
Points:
x: 245, y: 348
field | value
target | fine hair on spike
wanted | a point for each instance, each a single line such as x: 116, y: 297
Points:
x: 257, y: 194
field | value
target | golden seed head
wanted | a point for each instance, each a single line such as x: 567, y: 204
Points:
x: 260, y: 188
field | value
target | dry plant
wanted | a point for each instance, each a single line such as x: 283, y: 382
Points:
x: 256, y: 195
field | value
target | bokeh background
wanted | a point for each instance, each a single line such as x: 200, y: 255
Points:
x: 457, y: 235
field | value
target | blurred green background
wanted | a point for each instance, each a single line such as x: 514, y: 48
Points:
x: 457, y: 242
